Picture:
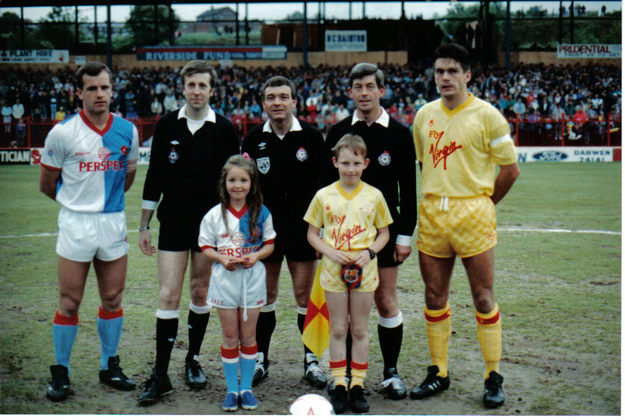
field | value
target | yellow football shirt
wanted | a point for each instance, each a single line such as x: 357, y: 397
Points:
x: 459, y: 148
x: 349, y: 220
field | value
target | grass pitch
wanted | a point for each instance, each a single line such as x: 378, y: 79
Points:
x: 558, y: 285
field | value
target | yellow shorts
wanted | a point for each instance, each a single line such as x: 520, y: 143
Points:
x: 462, y: 226
x: 330, y: 278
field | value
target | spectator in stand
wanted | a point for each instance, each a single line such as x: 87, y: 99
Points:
x: 341, y: 113
x: 6, y: 117
x: 17, y: 111
x: 170, y: 103
x: 255, y: 110
x: 60, y: 114
x: 519, y: 108
x: 419, y: 102
x: 52, y: 101
x: 156, y: 107
x: 20, y: 133
x: 42, y: 103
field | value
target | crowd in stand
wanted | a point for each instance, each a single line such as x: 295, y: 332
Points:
x: 531, y: 91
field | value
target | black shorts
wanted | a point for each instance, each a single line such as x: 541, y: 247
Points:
x: 385, y: 256
x: 291, y: 242
x: 179, y: 235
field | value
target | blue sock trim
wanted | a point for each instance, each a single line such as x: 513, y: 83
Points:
x: 231, y: 371
x: 63, y: 337
x: 110, y: 331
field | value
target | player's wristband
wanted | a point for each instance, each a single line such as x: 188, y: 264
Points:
x: 143, y: 228
x: 371, y: 253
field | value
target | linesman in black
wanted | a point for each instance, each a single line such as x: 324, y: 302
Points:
x: 393, y: 171
x: 189, y: 148
x: 292, y: 160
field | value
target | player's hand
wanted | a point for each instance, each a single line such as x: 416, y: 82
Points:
x: 249, y: 260
x: 362, y: 259
x: 145, y: 243
x: 230, y: 263
x: 401, y: 252
x: 339, y: 257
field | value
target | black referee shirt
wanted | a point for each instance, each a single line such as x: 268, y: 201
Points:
x: 291, y: 170
x: 185, y: 168
x: 392, y: 167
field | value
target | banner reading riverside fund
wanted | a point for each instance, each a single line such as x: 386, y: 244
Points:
x: 235, y: 52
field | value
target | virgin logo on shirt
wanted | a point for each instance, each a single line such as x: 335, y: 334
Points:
x: 342, y: 236
x: 439, y: 155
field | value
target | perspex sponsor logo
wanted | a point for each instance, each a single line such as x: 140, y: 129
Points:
x: 107, y: 165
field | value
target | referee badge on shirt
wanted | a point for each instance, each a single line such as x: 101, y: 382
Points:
x: 384, y: 159
x: 263, y: 165
x: 301, y: 154
x: 173, y: 156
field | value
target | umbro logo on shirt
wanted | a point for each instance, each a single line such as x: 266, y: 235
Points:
x: 262, y: 146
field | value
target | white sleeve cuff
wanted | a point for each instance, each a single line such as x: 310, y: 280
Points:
x: 403, y: 240
x: 500, y: 140
x: 148, y: 204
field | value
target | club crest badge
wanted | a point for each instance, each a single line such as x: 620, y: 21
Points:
x: 351, y: 275
x: 384, y: 159
x: 263, y: 165
x: 238, y: 239
x: 104, y: 153
x: 173, y: 156
x: 301, y: 154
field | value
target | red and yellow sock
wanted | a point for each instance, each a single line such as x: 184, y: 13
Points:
x: 438, y: 330
x: 359, y: 373
x: 489, y: 336
x: 339, y: 372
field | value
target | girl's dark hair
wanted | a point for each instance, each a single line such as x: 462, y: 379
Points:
x: 254, y: 199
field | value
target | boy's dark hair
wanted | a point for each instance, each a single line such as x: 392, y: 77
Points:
x: 353, y: 142
x: 91, y: 68
x: 198, y: 66
x: 277, y: 81
x: 361, y: 70
x: 455, y: 52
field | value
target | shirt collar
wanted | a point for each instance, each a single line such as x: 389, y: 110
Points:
x: 210, y: 115
x: 383, y: 119
x: 295, y: 126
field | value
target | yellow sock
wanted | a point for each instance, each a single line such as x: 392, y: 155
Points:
x: 359, y: 372
x: 438, y: 329
x: 489, y: 336
x: 339, y: 372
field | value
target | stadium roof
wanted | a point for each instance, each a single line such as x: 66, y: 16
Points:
x: 42, y: 3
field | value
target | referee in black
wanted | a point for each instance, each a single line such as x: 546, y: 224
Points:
x: 393, y: 171
x: 189, y: 148
x: 292, y: 160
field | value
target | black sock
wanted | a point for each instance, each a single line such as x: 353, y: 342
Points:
x: 301, y: 320
x: 348, y: 352
x: 197, y: 328
x: 264, y: 328
x: 390, y: 344
x: 166, y: 331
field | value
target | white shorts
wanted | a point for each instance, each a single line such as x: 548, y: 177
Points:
x: 242, y: 288
x: 85, y: 236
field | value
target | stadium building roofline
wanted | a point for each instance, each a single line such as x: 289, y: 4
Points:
x: 48, y: 3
